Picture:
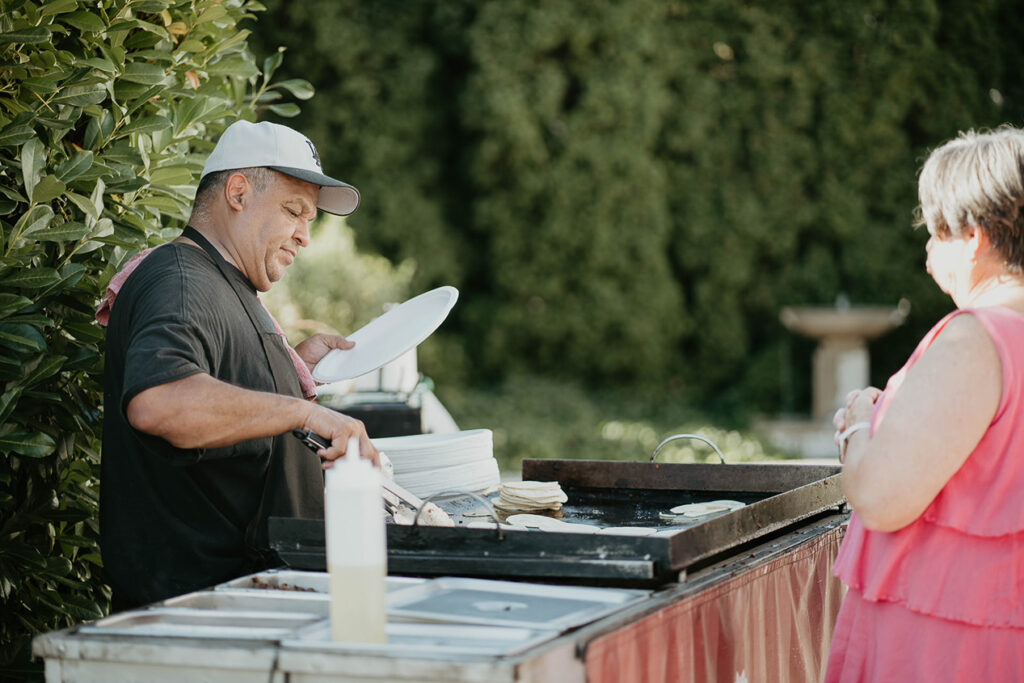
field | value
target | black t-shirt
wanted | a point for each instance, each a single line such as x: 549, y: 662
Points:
x: 175, y: 520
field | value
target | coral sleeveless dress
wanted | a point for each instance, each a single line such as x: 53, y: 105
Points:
x: 942, y: 599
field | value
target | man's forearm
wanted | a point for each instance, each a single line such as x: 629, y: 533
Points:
x: 202, y: 412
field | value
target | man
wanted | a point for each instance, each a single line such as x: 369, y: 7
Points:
x: 201, y: 392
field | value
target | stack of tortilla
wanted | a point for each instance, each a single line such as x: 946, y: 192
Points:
x: 530, y: 496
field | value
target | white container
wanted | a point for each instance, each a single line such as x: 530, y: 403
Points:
x: 356, y: 549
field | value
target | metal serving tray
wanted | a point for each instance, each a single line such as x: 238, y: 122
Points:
x: 185, y: 622
x: 246, y: 600
x: 428, y: 640
x: 508, y: 603
x: 297, y: 582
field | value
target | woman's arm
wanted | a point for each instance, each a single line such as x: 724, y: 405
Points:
x: 933, y: 423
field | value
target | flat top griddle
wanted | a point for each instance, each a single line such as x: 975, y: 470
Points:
x: 604, y: 494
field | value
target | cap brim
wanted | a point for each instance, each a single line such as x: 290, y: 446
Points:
x: 336, y: 197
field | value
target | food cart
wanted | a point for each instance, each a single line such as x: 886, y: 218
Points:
x: 746, y: 594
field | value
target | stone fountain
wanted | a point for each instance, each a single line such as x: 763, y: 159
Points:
x: 840, y: 364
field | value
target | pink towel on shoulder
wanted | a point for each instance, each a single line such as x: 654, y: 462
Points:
x: 107, y: 303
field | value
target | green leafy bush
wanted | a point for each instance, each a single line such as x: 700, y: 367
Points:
x: 107, y: 111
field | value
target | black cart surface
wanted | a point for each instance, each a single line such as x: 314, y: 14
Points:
x: 605, y: 494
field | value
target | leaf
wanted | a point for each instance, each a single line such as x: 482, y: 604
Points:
x: 34, y: 34
x: 85, y: 332
x: 71, y: 273
x: 25, y: 554
x: 81, y: 96
x: 85, y: 204
x: 33, y: 159
x: 35, y: 319
x: 57, y: 7
x: 16, y: 135
x: 12, y: 195
x: 56, y: 124
x: 163, y: 204
x: 72, y: 168
x: 127, y: 184
x: 147, y: 124
x: 286, y: 110
x: 171, y: 175
x: 92, y: 558
x: 141, y: 72
x: 8, y: 401
x: 298, y: 87
x: 31, y: 278
x: 97, y: 196
x: 233, y: 66
x: 100, y: 63
x: 36, y: 219
x: 271, y: 63
x: 150, y: 6
x: 104, y: 228
x: 48, y: 189
x: 191, y: 45
x: 211, y: 13
x: 50, y: 365
x: 269, y: 96
x: 72, y: 231
x: 43, y: 86
x: 77, y: 541
x: 226, y: 45
x: 12, y: 303
x: 85, y: 21
x: 22, y: 337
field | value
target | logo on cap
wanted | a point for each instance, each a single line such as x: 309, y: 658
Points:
x: 316, y: 157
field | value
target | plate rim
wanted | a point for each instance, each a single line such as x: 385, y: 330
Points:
x: 453, y: 296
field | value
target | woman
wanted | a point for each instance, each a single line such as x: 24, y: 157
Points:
x: 934, y: 465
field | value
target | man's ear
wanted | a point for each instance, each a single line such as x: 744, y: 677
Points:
x: 236, y: 188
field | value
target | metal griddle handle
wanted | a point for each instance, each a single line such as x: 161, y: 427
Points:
x: 687, y: 436
x: 478, y: 497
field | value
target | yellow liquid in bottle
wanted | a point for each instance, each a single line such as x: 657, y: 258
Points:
x: 358, y: 604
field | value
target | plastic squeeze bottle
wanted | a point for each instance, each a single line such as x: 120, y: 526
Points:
x: 356, y: 549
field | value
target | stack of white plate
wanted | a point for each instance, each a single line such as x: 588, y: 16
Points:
x: 427, y: 464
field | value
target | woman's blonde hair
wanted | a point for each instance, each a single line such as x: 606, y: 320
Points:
x: 977, y: 179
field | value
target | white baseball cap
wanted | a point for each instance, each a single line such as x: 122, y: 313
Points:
x: 248, y: 145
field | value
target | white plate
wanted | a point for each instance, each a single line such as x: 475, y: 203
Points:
x: 387, y: 337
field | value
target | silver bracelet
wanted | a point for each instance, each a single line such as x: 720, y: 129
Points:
x: 845, y: 435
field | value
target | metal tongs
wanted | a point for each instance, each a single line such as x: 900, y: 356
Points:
x: 394, y: 495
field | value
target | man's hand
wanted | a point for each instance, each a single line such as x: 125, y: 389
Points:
x: 312, y: 350
x: 338, y: 428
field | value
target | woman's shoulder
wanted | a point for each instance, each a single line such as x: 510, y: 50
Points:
x: 962, y: 332
x: 993, y: 328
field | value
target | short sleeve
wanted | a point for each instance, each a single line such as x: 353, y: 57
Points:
x: 174, y: 329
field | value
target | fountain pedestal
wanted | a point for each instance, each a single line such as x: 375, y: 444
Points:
x: 840, y: 364
x: 841, y: 361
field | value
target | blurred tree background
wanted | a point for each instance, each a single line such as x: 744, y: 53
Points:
x: 627, y: 193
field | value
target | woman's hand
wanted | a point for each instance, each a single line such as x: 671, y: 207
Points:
x: 860, y: 404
